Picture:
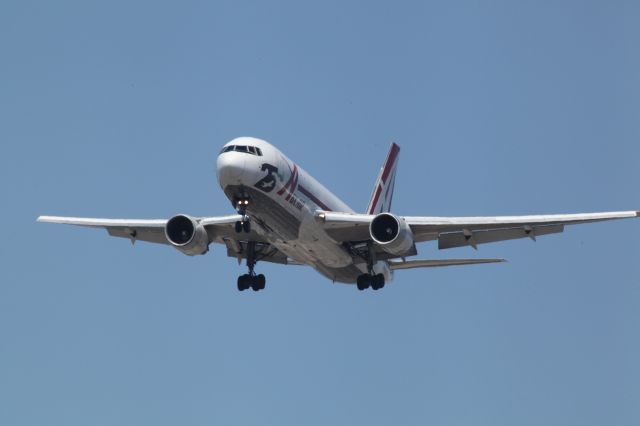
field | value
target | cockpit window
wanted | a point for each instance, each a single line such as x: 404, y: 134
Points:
x: 243, y: 148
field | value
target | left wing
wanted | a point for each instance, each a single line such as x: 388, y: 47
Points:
x: 152, y: 230
x: 220, y: 229
x: 465, y: 231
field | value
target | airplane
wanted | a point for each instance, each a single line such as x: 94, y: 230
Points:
x: 283, y: 215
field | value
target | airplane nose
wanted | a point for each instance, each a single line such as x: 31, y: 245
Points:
x: 230, y: 168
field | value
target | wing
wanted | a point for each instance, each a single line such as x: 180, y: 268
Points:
x: 464, y: 231
x: 433, y: 263
x: 152, y: 230
x: 220, y: 229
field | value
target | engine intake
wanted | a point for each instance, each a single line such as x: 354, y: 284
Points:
x: 391, y: 233
x: 187, y: 235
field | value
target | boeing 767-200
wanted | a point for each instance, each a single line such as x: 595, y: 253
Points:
x: 286, y: 216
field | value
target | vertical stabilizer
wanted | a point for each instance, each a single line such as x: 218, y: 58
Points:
x: 382, y: 194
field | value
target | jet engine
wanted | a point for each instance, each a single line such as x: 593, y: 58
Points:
x: 391, y: 233
x: 187, y: 235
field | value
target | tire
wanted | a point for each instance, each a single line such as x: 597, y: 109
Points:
x: 246, y: 226
x: 377, y: 281
x: 241, y: 283
x: 238, y: 227
x: 255, y: 285
x: 363, y: 282
x: 261, y: 281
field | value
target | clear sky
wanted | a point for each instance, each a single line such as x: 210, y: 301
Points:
x: 119, y: 108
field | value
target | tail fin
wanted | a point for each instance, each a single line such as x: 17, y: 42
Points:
x: 382, y: 194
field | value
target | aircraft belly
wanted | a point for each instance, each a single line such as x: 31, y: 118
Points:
x: 296, y: 233
x: 268, y: 212
x: 313, y: 238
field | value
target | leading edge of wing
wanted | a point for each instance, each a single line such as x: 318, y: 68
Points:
x: 151, y: 223
x: 341, y: 219
x: 433, y: 263
x: 441, y: 223
x: 101, y: 222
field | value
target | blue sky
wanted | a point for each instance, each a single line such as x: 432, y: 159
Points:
x: 118, y: 109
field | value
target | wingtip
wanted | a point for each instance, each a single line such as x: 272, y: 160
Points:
x: 46, y: 218
x: 638, y: 213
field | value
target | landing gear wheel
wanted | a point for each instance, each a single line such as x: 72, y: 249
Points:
x: 240, y: 283
x: 254, y: 283
x: 246, y: 226
x: 244, y: 282
x: 377, y: 281
x: 363, y: 281
x: 261, y: 281
x: 238, y: 227
x: 258, y: 282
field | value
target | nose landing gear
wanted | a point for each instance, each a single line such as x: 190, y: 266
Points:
x: 244, y: 224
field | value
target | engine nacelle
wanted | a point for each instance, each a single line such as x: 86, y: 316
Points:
x: 391, y: 233
x: 187, y: 235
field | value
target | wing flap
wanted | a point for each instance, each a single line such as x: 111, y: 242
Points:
x: 461, y: 239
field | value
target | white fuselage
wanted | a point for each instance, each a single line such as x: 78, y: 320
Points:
x: 283, y: 201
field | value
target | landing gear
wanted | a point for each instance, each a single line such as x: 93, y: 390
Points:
x: 244, y: 224
x: 375, y: 281
x: 251, y: 280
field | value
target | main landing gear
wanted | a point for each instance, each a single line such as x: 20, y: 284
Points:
x: 244, y: 224
x: 375, y: 281
x: 251, y: 280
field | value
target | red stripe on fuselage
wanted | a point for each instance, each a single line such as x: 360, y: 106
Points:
x: 313, y: 198
x: 294, y: 184
x: 294, y: 174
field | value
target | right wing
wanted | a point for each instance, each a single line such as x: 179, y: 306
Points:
x: 464, y: 231
x: 433, y: 263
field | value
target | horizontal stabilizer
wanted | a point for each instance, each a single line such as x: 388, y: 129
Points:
x: 432, y: 263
